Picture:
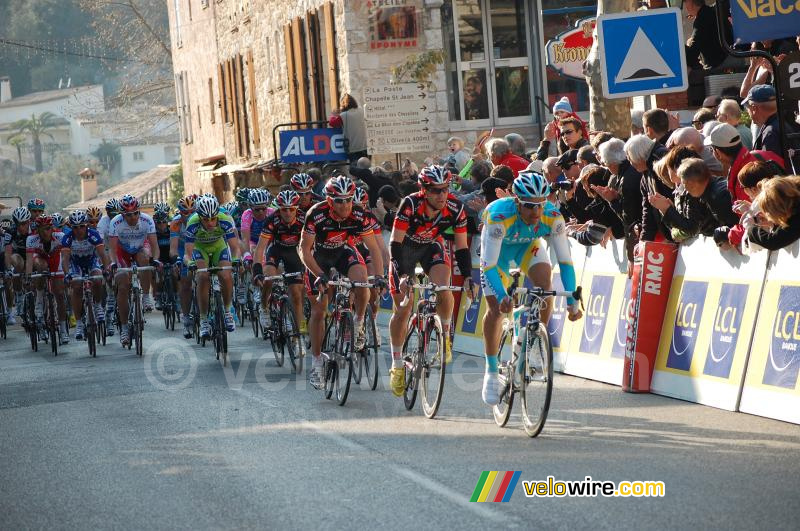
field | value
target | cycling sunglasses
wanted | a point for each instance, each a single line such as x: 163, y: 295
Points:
x: 436, y: 191
x: 131, y: 214
x: 81, y: 226
x: 259, y: 209
x: 342, y: 200
x: 532, y: 205
x: 305, y: 193
x: 209, y: 219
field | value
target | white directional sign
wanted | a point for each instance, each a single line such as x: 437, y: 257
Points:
x: 397, y: 117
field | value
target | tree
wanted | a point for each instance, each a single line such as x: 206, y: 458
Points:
x: 17, y: 140
x: 604, y: 114
x: 108, y: 154
x: 37, y: 128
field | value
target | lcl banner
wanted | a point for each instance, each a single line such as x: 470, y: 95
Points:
x: 652, y: 278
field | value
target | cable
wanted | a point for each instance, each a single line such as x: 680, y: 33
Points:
x: 74, y: 54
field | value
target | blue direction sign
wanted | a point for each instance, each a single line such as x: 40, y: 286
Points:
x: 642, y: 53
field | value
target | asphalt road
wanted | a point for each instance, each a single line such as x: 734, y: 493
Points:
x: 174, y: 441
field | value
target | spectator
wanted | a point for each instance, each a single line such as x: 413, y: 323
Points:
x: 730, y: 113
x: 410, y: 169
x: 656, y: 125
x: 753, y: 173
x: 574, y: 200
x: 763, y: 110
x: 603, y: 223
x: 573, y: 132
x: 643, y: 152
x: 536, y: 166
x: 779, y: 201
x: 516, y: 144
x: 552, y: 131
x: 493, y: 188
x: 701, y: 117
x: 708, y: 126
x: 623, y: 192
x: 552, y: 172
x: 691, y: 138
x: 750, y: 175
x: 500, y: 153
x: 712, y: 192
x: 457, y: 157
x: 407, y: 187
x: 375, y: 178
x: 504, y: 173
x: 727, y: 147
x: 712, y: 103
x: 479, y: 172
x: 703, y: 49
x: 386, y: 205
x: 319, y: 183
x: 350, y: 117
x: 586, y: 156
x: 637, y: 124
x: 600, y: 138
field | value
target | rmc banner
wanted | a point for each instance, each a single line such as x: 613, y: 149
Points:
x: 759, y: 20
x: 312, y: 145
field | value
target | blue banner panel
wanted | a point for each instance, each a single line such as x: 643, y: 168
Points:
x: 762, y: 20
x: 312, y: 145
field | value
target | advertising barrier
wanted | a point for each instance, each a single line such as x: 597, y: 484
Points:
x: 708, y: 324
x: 597, y: 345
x: 771, y: 383
x: 650, y: 286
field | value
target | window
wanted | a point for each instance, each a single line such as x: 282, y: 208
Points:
x: 204, y: 3
x: 223, y: 93
x: 182, y: 104
x: 276, y: 65
x: 210, y: 101
x: 138, y: 155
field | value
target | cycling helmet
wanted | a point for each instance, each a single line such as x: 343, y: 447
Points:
x: 78, y: 217
x: 207, y: 207
x: 185, y: 204
x: 113, y: 207
x: 288, y: 198
x: 94, y: 212
x: 361, y: 196
x: 301, y: 181
x: 433, y: 175
x: 230, y: 206
x: 161, y: 207
x: 259, y: 197
x: 58, y: 220
x: 530, y: 185
x: 340, y: 186
x: 129, y: 203
x: 36, y: 204
x: 44, y: 221
x: 243, y: 195
x: 160, y: 216
x: 20, y: 215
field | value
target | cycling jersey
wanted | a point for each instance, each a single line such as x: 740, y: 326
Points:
x: 195, y: 232
x: 237, y: 214
x: 314, y: 200
x: 332, y: 234
x: 377, y: 231
x: 421, y: 230
x: 16, y: 240
x: 83, y: 256
x: 505, y: 238
x: 132, y: 239
x: 255, y: 226
x: 163, y: 238
x: 46, y: 250
x: 281, y: 234
x: 104, y: 227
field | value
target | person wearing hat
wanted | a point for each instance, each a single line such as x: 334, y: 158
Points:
x: 729, y: 150
x: 730, y: 112
x: 763, y: 110
x: 554, y: 131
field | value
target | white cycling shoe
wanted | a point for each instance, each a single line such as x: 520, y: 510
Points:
x: 491, y: 389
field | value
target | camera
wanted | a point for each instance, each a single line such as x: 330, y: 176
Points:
x: 564, y: 185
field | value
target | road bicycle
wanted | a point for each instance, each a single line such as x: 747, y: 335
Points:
x: 423, y: 355
x: 283, y: 332
x: 216, y: 309
x: 338, y: 341
x: 94, y: 331
x: 365, y: 361
x: 168, y: 298
x: 528, y: 369
x: 136, y: 319
x: 3, y: 310
x: 52, y: 334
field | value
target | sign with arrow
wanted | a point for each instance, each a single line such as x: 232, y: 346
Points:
x: 397, y: 117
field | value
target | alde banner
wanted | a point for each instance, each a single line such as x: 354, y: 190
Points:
x: 650, y: 287
x: 312, y: 145
x: 760, y: 20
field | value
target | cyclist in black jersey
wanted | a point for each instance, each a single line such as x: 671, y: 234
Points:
x: 161, y: 219
x: 14, y: 244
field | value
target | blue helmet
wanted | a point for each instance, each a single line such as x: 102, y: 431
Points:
x: 531, y: 185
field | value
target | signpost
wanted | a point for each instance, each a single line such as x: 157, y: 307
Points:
x: 397, y: 118
x: 642, y: 53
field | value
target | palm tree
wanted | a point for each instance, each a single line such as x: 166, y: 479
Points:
x: 108, y: 154
x: 18, y: 140
x: 37, y: 128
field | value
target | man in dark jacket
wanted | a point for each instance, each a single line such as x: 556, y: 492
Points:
x: 763, y: 109
x: 711, y: 192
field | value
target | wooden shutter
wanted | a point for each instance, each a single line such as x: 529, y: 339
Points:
x: 251, y: 80
x: 316, y: 72
x: 330, y: 49
x: 244, y: 132
x: 301, y: 69
x: 290, y: 67
x: 229, y: 90
x: 211, y: 100
x: 231, y: 66
x: 223, y: 109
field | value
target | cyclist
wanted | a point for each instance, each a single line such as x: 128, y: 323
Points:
x: 94, y: 214
x: 161, y: 207
x: 302, y: 183
x: 177, y: 240
x: 328, y: 229
x: 15, y: 246
x: 82, y: 252
x: 416, y: 237
x: 163, y: 237
x: 104, y: 227
x: 43, y: 250
x: 59, y: 223
x: 361, y: 198
x: 279, y: 238
x: 242, y: 197
x: 210, y: 242
x: 512, y: 231
x: 127, y: 237
x: 254, y: 218
x: 36, y: 207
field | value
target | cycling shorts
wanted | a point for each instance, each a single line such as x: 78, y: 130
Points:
x: 277, y: 254
x: 78, y: 268
x: 341, y: 259
x: 124, y: 258
x: 522, y: 256
x: 427, y: 256
x: 212, y: 254
x: 363, y: 250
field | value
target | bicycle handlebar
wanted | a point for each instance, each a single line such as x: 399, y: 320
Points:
x: 215, y: 269
x: 48, y: 274
x: 137, y: 268
x: 283, y: 276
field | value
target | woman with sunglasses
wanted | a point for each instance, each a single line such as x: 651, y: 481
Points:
x: 417, y: 238
x: 512, y: 231
x: 81, y: 254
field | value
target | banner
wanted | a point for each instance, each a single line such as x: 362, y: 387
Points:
x: 652, y: 278
x: 762, y: 20
x: 312, y: 145
x: 771, y: 385
x: 708, y: 324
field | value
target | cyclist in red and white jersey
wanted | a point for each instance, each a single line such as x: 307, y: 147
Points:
x: 43, y: 253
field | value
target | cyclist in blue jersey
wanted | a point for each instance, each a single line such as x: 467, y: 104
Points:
x: 512, y: 231
x: 177, y: 241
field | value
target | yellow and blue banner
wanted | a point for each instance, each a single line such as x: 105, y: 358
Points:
x: 495, y: 486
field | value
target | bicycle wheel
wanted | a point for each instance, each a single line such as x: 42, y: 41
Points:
x: 252, y: 314
x: 328, y: 347
x: 434, y: 365
x: 138, y: 322
x: 502, y: 411
x: 90, y: 330
x: 195, y: 314
x: 291, y: 335
x: 537, y: 380
x: 52, y: 323
x: 274, y: 332
x: 344, y: 358
x: 101, y: 333
x: 370, y: 352
x: 356, y: 360
x: 411, y: 348
x: 220, y: 334
x: 30, y: 317
x: 3, y: 313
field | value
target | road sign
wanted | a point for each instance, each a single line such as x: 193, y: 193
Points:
x: 642, y: 53
x: 398, y: 117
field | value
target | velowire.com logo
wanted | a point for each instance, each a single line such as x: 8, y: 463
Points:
x: 494, y: 486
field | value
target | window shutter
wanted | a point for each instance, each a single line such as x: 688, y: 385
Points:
x: 251, y: 80
x: 330, y: 49
x: 290, y: 67
x: 301, y: 69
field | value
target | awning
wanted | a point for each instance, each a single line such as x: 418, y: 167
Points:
x: 207, y: 167
x: 233, y: 168
x: 213, y: 158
